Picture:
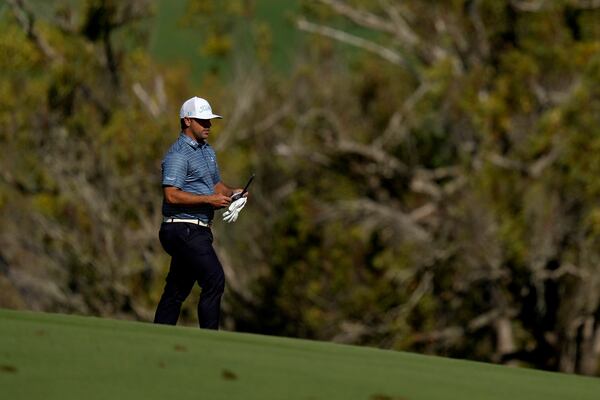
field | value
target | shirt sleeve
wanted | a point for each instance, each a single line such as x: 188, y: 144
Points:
x: 217, y: 174
x: 217, y: 177
x: 174, y: 170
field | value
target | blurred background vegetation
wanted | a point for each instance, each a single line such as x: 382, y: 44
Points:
x: 427, y: 175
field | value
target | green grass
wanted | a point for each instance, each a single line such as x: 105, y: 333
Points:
x: 49, y: 356
x: 171, y: 42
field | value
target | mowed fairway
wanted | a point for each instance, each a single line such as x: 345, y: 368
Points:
x: 49, y: 356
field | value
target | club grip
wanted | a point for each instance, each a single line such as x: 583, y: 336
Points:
x: 236, y: 196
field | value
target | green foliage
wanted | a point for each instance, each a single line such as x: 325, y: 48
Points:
x: 513, y: 107
x: 81, y: 150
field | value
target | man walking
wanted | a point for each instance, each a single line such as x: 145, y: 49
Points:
x: 192, y: 190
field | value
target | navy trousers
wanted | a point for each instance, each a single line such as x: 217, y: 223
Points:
x: 193, y: 259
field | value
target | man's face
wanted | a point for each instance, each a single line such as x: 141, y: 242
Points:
x: 200, y: 128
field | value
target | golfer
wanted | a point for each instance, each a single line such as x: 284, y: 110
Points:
x: 192, y: 190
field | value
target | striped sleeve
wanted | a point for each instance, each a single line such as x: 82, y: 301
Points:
x: 217, y: 174
x: 174, y: 169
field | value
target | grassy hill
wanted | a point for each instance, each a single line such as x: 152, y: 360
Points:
x: 48, y: 356
x: 172, y: 43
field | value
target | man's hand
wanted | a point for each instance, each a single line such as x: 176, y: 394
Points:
x: 219, y: 200
x: 237, y: 193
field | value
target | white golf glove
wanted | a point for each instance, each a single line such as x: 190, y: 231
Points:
x: 234, y: 209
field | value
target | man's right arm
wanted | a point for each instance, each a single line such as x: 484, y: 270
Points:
x: 174, y: 195
x: 174, y: 171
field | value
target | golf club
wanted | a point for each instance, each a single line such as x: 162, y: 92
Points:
x: 243, y: 192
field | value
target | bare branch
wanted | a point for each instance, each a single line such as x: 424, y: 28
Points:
x: 378, y: 215
x: 586, y: 4
x: 397, y: 26
x: 425, y: 186
x: 361, y: 17
x: 529, y: 5
x: 490, y: 317
x: 145, y: 98
x: 565, y: 269
x: 395, y: 131
x: 543, y: 5
x: 131, y: 12
x: 506, y: 163
x: 415, y: 297
x: 372, y: 152
x: 475, y: 16
x: 423, y: 212
x: 424, y: 181
x: 27, y: 21
x: 249, y: 89
x: 539, y: 165
x: 336, y: 141
x: 403, y: 31
x: 87, y: 91
x: 344, y: 37
x: 159, y: 89
x: 453, y: 333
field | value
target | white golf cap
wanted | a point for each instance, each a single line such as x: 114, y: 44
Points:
x: 197, y: 107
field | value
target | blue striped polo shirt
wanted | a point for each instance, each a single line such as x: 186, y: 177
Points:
x: 191, y: 167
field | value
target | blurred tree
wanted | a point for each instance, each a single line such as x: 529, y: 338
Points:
x: 83, y: 133
x: 431, y: 194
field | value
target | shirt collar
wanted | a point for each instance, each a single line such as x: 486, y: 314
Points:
x: 193, y: 143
